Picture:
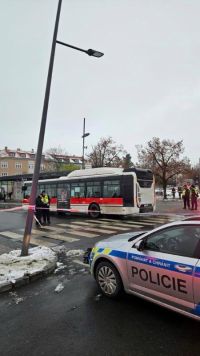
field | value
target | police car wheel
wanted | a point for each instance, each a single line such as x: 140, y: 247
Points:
x: 108, y: 279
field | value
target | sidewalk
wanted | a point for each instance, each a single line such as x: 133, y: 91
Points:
x: 174, y: 206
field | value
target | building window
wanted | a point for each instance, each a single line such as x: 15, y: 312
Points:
x: 31, y: 165
x: 18, y: 165
x: 22, y: 155
x: 4, y: 174
x: 4, y: 164
x: 11, y: 154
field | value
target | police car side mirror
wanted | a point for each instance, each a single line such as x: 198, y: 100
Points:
x: 140, y: 245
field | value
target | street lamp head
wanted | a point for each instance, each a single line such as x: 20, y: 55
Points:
x: 86, y: 134
x: 92, y: 52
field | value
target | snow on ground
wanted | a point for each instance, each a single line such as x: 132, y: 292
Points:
x: 74, y: 253
x: 14, y: 267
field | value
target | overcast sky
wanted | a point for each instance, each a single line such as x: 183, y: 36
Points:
x: 147, y: 84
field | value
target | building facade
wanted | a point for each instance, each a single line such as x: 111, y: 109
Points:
x: 18, y: 162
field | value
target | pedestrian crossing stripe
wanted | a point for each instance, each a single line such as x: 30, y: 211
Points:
x: 116, y: 226
x: 131, y: 223
x: 33, y: 241
x: 85, y: 228
x: 54, y: 230
x: 107, y: 226
x: 54, y: 235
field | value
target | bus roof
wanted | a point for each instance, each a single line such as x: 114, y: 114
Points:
x: 102, y: 171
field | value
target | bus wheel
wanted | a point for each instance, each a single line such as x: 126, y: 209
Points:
x: 94, y: 211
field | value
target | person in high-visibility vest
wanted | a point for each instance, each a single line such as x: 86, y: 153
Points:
x: 186, y: 197
x: 46, y: 206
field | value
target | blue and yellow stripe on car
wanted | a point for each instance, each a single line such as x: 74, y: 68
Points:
x: 106, y: 252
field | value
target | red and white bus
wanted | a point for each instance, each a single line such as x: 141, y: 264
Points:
x: 98, y: 191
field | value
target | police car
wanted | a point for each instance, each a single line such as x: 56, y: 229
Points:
x: 162, y: 266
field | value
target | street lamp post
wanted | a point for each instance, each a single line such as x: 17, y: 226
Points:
x: 85, y: 134
x: 31, y: 208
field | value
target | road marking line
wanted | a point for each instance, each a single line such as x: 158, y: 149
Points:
x: 83, y: 229
x: 88, y: 228
x: 157, y: 220
x: 40, y: 242
x: 54, y: 229
x: 12, y: 235
x: 139, y: 223
x: 33, y: 241
x: 81, y: 233
x: 52, y: 235
x: 129, y: 222
x: 81, y: 263
x: 119, y: 226
x: 65, y: 238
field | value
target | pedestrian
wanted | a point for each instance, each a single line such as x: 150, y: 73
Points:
x: 180, y: 190
x: 186, y: 197
x: 173, y: 192
x: 4, y: 196
x: 194, y: 195
x: 46, y: 208
x: 38, y: 210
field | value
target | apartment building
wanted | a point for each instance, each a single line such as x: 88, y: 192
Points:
x: 18, y: 162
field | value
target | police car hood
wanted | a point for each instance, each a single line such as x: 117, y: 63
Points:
x: 120, y: 240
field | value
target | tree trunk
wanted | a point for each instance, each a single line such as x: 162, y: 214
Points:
x: 165, y: 189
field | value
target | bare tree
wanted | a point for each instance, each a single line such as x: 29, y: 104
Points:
x: 57, y: 160
x: 106, y: 153
x: 127, y: 162
x: 163, y: 157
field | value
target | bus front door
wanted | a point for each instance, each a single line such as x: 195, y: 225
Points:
x: 63, y: 198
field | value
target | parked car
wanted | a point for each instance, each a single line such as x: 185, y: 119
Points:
x: 161, y: 265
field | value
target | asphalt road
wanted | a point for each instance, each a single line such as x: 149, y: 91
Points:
x: 35, y: 320
x: 78, y: 321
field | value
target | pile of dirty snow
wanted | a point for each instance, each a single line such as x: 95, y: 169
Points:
x: 14, y: 267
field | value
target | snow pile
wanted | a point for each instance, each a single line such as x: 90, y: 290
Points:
x: 74, y: 253
x: 59, y: 288
x: 13, y: 267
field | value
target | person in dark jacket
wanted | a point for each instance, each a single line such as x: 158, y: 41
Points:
x: 194, y: 195
x: 186, y: 197
x: 173, y: 192
x: 38, y: 210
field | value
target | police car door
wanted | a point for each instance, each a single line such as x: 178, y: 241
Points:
x: 163, y: 270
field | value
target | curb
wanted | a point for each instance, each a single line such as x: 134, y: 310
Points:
x: 26, y: 279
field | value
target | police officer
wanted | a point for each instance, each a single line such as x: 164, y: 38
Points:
x: 186, y: 197
x: 194, y: 195
x: 46, y: 205
x: 180, y: 192
x: 38, y: 209
x: 173, y: 192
